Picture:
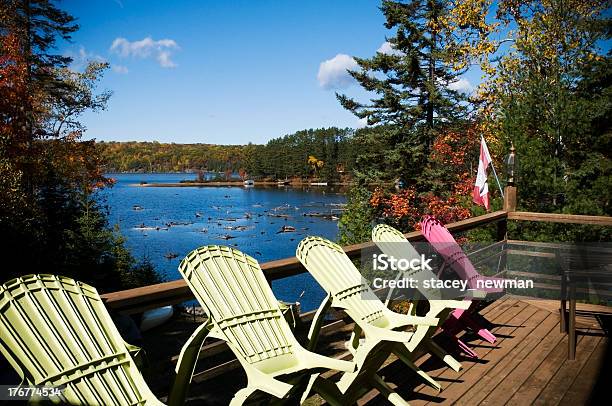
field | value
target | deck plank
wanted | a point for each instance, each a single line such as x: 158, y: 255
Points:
x: 530, y: 363
x: 423, y: 394
x: 527, y: 365
x: 516, y: 313
x: 531, y: 388
x: 556, y: 388
x: 403, y: 382
x: 499, y: 383
x: 521, y: 325
x: 579, y: 392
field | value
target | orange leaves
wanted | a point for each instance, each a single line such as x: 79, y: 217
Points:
x: 408, y: 207
x: 401, y: 205
x: 451, y: 163
x: 447, y: 210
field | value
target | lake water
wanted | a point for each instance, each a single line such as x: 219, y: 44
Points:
x: 157, y: 221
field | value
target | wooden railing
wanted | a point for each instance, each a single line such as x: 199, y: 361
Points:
x: 167, y: 293
x: 147, y: 297
x: 560, y: 218
x: 152, y: 296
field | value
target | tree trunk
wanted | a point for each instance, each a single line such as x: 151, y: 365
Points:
x: 430, y: 102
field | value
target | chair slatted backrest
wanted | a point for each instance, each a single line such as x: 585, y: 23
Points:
x: 394, y: 244
x: 444, y: 243
x: 57, y: 332
x: 334, y: 271
x: 236, y: 296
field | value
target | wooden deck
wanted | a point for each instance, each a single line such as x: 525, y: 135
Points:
x: 527, y: 365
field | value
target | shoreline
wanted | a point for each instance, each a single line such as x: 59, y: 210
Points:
x: 234, y: 184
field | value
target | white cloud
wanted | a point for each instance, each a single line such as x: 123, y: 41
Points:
x: 461, y: 85
x: 164, y: 60
x: 362, y: 122
x: 81, y: 58
x: 333, y: 72
x: 161, y: 50
x: 120, y: 69
x: 387, y: 49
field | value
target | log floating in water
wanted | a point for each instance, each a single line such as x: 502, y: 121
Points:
x: 286, y: 229
x: 321, y: 215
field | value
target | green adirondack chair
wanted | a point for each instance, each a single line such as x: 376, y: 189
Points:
x: 347, y: 290
x: 243, y: 312
x: 55, y: 331
x: 393, y: 243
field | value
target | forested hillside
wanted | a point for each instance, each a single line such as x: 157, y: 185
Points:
x: 325, y: 153
x: 161, y: 157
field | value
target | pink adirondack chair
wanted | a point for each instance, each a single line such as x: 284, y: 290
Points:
x: 444, y: 243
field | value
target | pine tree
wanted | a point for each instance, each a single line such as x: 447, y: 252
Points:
x: 47, y: 206
x: 411, y: 83
x: 414, y: 102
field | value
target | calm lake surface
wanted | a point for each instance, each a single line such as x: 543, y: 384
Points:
x: 157, y: 221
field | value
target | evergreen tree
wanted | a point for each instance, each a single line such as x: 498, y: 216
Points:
x: 47, y: 206
x: 411, y: 83
x: 414, y: 102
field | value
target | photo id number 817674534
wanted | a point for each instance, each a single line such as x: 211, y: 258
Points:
x: 26, y: 392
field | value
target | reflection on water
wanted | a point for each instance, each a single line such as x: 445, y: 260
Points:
x: 165, y: 223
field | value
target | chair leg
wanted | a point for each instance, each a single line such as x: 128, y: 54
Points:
x: 477, y: 328
x: 387, y: 392
x: 241, y: 396
x: 328, y: 391
x: 464, y: 347
x: 443, y: 355
x: 402, y: 353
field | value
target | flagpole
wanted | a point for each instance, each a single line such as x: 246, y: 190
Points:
x: 497, y: 179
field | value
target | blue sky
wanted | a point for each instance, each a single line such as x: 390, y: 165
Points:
x: 223, y: 72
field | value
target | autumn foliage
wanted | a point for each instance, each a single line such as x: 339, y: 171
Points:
x: 449, y: 198
x: 49, y: 174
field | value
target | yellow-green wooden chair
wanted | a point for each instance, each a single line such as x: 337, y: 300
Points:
x: 56, y: 332
x: 348, y: 291
x: 243, y: 312
x: 393, y: 243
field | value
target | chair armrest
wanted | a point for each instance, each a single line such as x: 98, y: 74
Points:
x: 404, y: 320
x: 385, y: 334
x: 267, y: 383
x: 186, y: 364
x: 422, y: 321
x: 313, y: 360
x: 449, y: 304
x: 441, y: 308
x: 319, y: 317
x: 475, y: 294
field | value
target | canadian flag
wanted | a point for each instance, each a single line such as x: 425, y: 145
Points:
x: 481, y: 188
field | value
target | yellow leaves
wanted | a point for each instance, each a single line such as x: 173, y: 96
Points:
x: 315, y: 163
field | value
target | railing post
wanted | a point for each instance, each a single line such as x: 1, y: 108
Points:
x: 510, y: 198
